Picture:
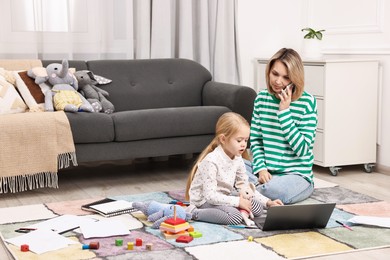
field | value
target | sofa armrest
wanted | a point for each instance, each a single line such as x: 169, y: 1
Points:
x: 239, y: 99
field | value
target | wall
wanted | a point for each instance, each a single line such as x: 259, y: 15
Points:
x: 352, y: 31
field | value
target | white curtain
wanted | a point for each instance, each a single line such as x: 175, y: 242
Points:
x: 200, y: 30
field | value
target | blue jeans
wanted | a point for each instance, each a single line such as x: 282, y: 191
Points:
x: 289, y: 188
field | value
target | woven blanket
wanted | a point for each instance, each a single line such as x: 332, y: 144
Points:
x: 217, y: 241
x: 34, y: 146
x: 20, y: 64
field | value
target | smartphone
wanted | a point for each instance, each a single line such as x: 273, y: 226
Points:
x: 292, y: 87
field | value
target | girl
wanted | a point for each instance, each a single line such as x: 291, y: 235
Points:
x: 283, y: 128
x: 218, y: 169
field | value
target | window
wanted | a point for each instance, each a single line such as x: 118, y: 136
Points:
x: 49, y: 15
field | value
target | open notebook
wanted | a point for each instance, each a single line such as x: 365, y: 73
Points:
x: 109, y: 207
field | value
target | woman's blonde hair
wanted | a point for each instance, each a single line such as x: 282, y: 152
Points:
x: 293, y: 62
x: 227, y: 125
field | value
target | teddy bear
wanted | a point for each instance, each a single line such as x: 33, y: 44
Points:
x: 95, y: 95
x: 158, y: 212
x: 247, y: 191
x: 63, y: 95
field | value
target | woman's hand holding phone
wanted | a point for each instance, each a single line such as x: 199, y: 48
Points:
x: 285, y: 97
x: 291, y: 86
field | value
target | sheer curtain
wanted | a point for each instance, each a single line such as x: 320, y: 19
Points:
x: 200, y: 30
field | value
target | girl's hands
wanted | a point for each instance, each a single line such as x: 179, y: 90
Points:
x: 264, y: 176
x: 285, y: 98
x: 271, y: 203
x: 245, y: 204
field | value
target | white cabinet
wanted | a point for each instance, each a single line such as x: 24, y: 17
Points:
x: 346, y: 93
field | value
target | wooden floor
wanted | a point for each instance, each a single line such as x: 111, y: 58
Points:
x: 119, y: 178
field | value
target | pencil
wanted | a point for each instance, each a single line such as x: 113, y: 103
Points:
x: 25, y: 230
x: 344, y: 225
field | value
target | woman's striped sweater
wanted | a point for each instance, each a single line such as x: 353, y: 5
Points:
x: 282, y: 141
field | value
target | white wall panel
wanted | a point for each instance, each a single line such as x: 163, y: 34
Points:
x: 347, y: 16
x: 354, y: 29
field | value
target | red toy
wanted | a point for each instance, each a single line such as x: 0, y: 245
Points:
x: 138, y: 242
x: 24, y: 248
x: 184, y: 239
x: 94, y: 245
x: 175, y: 221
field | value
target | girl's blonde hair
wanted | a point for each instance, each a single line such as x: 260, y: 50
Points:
x: 227, y: 125
x: 293, y: 62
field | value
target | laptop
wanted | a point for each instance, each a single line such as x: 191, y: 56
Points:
x: 297, y: 216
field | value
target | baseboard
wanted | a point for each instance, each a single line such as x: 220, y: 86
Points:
x: 382, y: 169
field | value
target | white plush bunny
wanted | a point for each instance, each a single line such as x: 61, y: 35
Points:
x: 247, y: 191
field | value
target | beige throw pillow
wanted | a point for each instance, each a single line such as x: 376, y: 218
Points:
x: 10, y: 100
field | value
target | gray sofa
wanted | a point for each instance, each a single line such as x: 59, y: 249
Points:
x: 162, y: 107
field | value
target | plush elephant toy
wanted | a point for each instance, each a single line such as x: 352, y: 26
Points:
x: 63, y: 94
x: 95, y: 95
x: 158, y: 212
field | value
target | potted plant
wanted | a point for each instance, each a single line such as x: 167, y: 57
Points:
x: 312, y: 34
x: 312, y: 42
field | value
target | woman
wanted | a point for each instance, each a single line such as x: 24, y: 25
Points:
x: 283, y: 127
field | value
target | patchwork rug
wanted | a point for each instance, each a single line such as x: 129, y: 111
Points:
x: 217, y: 241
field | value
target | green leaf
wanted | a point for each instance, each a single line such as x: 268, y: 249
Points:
x: 312, y: 34
x: 318, y: 35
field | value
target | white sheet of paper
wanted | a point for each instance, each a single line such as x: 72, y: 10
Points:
x: 25, y: 213
x: 62, y: 223
x: 42, y: 241
x: 127, y: 219
x: 104, y: 228
x: 373, y: 221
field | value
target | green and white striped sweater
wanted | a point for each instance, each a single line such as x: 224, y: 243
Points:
x: 282, y: 141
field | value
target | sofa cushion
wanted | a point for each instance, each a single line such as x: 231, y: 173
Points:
x: 166, y: 122
x: 32, y: 93
x: 91, y: 127
x: 156, y: 83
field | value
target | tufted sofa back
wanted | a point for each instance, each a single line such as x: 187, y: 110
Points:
x: 149, y: 83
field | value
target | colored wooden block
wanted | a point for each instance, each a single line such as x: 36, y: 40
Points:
x: 191, y: 229
x: 174, y: 228
x: 149, y: 246
x: 181, y: 203
x: 195, y: 234
x: 169, y: 235
x: 24, y: 248
x: 138, y: 242
x: 184, y: 239
x: 94, y: 245
x: 130, y: 246
x: 173, y: 221
x: 119, y: 242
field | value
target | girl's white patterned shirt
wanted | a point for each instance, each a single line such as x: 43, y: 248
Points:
x: 215, y: 178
